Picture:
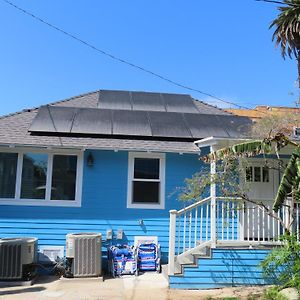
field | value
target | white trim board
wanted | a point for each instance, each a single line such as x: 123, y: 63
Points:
x: 17, y: 200
x: 162, y: 160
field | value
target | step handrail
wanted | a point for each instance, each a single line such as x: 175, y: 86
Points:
x: 192, y: 206
x: 190, y: 221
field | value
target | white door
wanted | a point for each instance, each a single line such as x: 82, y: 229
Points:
x: 261, y: 185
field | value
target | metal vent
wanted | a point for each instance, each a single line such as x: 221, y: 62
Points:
x: 10, y: 261
x: 85, y: 248
x: 14, y: 254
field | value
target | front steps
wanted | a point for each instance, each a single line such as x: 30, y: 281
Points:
x: 189, y: 258
x: 204, y: 267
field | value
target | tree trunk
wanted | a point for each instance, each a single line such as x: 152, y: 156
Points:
x: 298, y: 62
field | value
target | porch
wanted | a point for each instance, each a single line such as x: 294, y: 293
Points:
x: 219, y: 242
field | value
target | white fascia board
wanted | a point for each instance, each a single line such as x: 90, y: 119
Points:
x: 212, y: 141
x: 219, y: 143
x: 33, y: 147
x: 116, y: 149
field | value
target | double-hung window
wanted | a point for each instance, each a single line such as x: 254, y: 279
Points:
x: 146, y: 181
x: 40, y: 178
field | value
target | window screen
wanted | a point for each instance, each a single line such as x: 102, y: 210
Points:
x: 146, y: 181
x: 8, y: 171
x: 145, y: 192
x: 63, y: 177
x: 34, y: 175
x: 147, y: 168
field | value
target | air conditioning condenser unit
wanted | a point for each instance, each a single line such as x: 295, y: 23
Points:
x: 84, y: 252
x: 17, y: 256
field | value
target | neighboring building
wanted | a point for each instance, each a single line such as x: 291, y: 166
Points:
x: 114, y: 160
x: 261, y: 111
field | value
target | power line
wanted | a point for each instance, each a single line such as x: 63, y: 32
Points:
x: 278, y: 2
x: 273, y: 1
x: 76, y: 38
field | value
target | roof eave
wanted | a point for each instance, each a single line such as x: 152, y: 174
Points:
x: 219, y: 142
x: 81, y: 148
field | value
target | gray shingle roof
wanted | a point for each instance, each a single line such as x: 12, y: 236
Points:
x: 14, y: 131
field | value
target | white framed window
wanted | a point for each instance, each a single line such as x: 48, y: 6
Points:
x: 257, y: 174
x: 40, y: 177
x: 146, y: 180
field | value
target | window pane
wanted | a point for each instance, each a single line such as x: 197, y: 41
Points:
x: 145, y: 192
x: 8, y: 170
x: 147, y: 168
x: 64, y: 177
x: 249, y: 174
x: 257, y: 175
x: 34, y: 174
x: 266, y: 176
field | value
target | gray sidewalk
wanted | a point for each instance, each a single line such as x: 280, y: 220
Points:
x: 148, y: 286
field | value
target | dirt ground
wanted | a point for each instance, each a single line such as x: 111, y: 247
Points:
x: 149, y: 286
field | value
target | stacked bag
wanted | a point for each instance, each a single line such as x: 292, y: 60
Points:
x: 148, y: 257
x: 122, y: 260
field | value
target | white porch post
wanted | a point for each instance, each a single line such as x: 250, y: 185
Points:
x: 213, y: 203
x: 172, y: 238
x: 288, y: 211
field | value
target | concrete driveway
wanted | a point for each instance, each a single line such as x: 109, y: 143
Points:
x: 147, y: 286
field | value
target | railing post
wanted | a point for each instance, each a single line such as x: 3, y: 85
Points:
x: 172, y: 240
x: 213, y: 203
x: 241, y: 221
x: 289, y: 211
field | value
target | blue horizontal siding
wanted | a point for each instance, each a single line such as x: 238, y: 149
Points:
x: 226, y: 267
x: 104, y: 201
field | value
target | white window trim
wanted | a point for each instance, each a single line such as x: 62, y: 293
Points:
x: 257, y: 162
x: 45, y: 202
x: 162, y: 159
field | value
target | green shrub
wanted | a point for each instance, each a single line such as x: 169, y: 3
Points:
x: 282, y: 264
x: 273, y: 294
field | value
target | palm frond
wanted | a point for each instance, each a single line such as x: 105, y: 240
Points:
x: 286, y: 34
x: 290, y: 180
x: 246, y: 149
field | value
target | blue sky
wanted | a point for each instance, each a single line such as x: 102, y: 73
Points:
x: 222, y: 47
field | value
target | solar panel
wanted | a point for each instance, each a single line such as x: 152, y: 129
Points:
x: 53, y: 119
x: 94, y: 121
x: 131, y: 123
x: 40, y: 122
x: 202, y: 126
x: 179, y: 103
x: 147, y: 101
x: 235, y: 126
x: 168, y: 125
x: 114, y: 100
x: 58, y: 119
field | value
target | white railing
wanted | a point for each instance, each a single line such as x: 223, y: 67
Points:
x: 247, y: 222
x: 225, y: 220
x: 189, y: 227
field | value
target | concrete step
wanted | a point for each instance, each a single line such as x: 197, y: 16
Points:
x: 185, y: 259
x: 177, y: 268
x: 190, y: 257
x: 202, y: 252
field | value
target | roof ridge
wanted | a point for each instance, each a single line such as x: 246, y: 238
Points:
x: 99, y: 91
x: 72, y: 98
x: 214, y: 106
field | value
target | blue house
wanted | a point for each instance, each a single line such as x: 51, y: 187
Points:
x: 114, y: 160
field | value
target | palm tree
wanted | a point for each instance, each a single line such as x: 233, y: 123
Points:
x: 287, y: 30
